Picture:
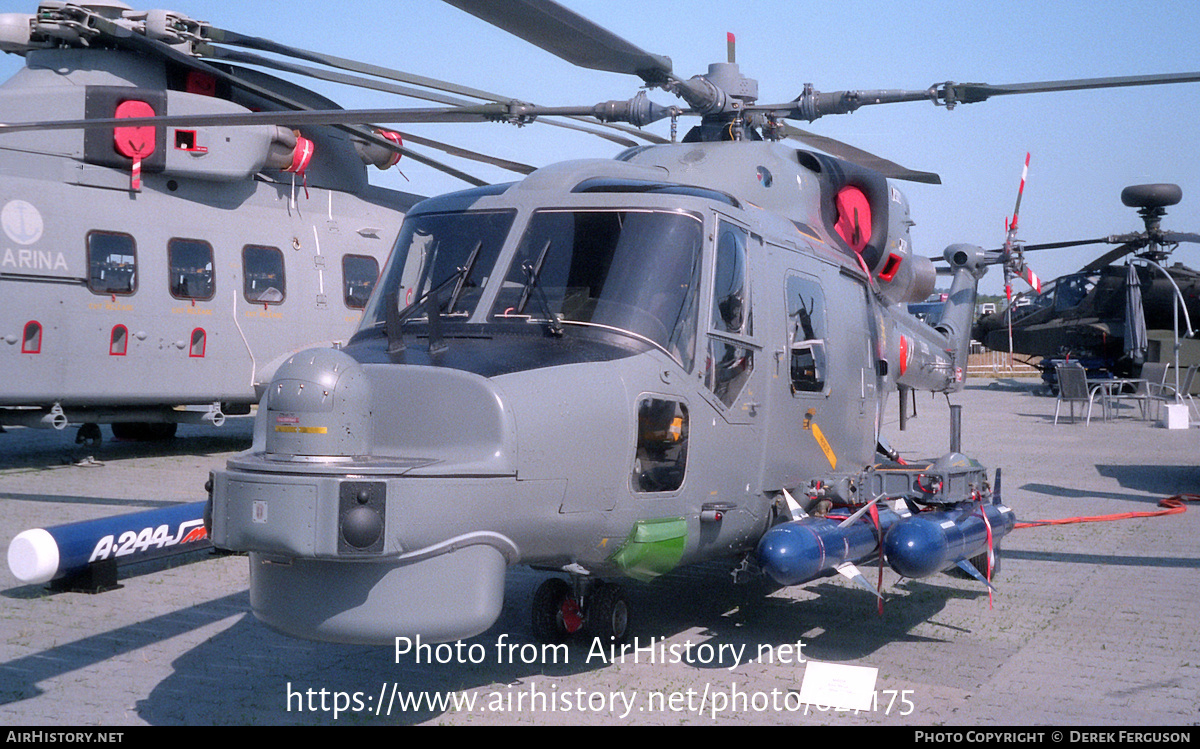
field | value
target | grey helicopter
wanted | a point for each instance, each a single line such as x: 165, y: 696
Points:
x: 150, y: 277
x: 613, y: 368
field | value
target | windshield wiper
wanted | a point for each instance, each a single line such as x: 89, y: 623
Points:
x: 459, y: 278
x: 464, y: 275
x: 430, y: 302
x: 533, y: 272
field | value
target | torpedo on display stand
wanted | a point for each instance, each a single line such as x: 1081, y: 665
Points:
x: 84, y: 556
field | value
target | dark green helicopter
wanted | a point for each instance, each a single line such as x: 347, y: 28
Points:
x: 1089, y: 315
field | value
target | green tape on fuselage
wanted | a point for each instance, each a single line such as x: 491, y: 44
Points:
x: 653, y: 548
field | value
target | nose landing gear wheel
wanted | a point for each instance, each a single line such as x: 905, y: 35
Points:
x: 88, y: 435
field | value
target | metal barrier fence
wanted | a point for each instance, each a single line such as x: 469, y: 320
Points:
x: 987, y: 363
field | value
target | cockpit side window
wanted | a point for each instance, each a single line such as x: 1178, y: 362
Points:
x: 731, y: 293
x: 1071, y: 290
x: 806, y: 334
x: 729, y: 363
x: 359, y: 273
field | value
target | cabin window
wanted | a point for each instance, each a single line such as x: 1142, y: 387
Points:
x: 190, y: 263
x: 198, y: 344
x: 730, y: 363
x: 263, y: 280
x: 118, y: 341
x: 359, y: 273
x: 635, y: 271
x: 31, y: 338
x: 112, y: 263
x: 805, y: 308
x: 662, y: 445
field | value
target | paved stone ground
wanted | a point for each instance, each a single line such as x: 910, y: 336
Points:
x: 1091, y: 624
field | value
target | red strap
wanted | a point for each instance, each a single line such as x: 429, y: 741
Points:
x: 301, y: 158
x: 874, y: 512
x: 987, y: 524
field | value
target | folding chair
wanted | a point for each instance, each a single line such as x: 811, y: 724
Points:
x: 1152, y: 389
x: 1072, y: 389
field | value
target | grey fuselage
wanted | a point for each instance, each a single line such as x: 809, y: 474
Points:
x: 122, y: 302
x: 622, y: 366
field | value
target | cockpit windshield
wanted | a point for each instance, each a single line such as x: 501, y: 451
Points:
x: 636, y: 271
x: 445, y: 254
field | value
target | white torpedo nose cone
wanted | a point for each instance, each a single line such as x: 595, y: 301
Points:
x: 33, y: 556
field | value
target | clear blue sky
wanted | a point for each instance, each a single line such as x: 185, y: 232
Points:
x: 1086, y: 146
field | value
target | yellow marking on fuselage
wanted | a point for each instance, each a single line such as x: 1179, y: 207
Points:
x: 825, y: 448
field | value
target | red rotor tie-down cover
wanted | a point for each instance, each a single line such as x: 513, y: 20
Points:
x: 854, y: 218
x: 134, y: 141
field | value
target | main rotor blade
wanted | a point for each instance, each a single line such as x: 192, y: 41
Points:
x: 224, y: 36
x: 514, y: 112
x: 812, y: 104
x: 1058, y: 245
x: 858, y: 156
x: 570, y: 36
x: 1113, y: 255
x: 967, y: 93
x: 512, y: 166
x: 477, y: 113
x: 1174, y: 236
x: 218, y: 53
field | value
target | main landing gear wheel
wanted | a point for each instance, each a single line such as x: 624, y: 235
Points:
x: 555, y: 615
x: 88, y: 435
x: 607, y: 613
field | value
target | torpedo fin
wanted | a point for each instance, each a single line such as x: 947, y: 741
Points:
x: 969, y: 568
x: 794, y: 506
x: 850, y: 572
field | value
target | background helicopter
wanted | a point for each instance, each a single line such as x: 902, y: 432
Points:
x: 151, y: 278
x: 148, y: 282
x: 1084, y: 315
x: 686, y: 286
